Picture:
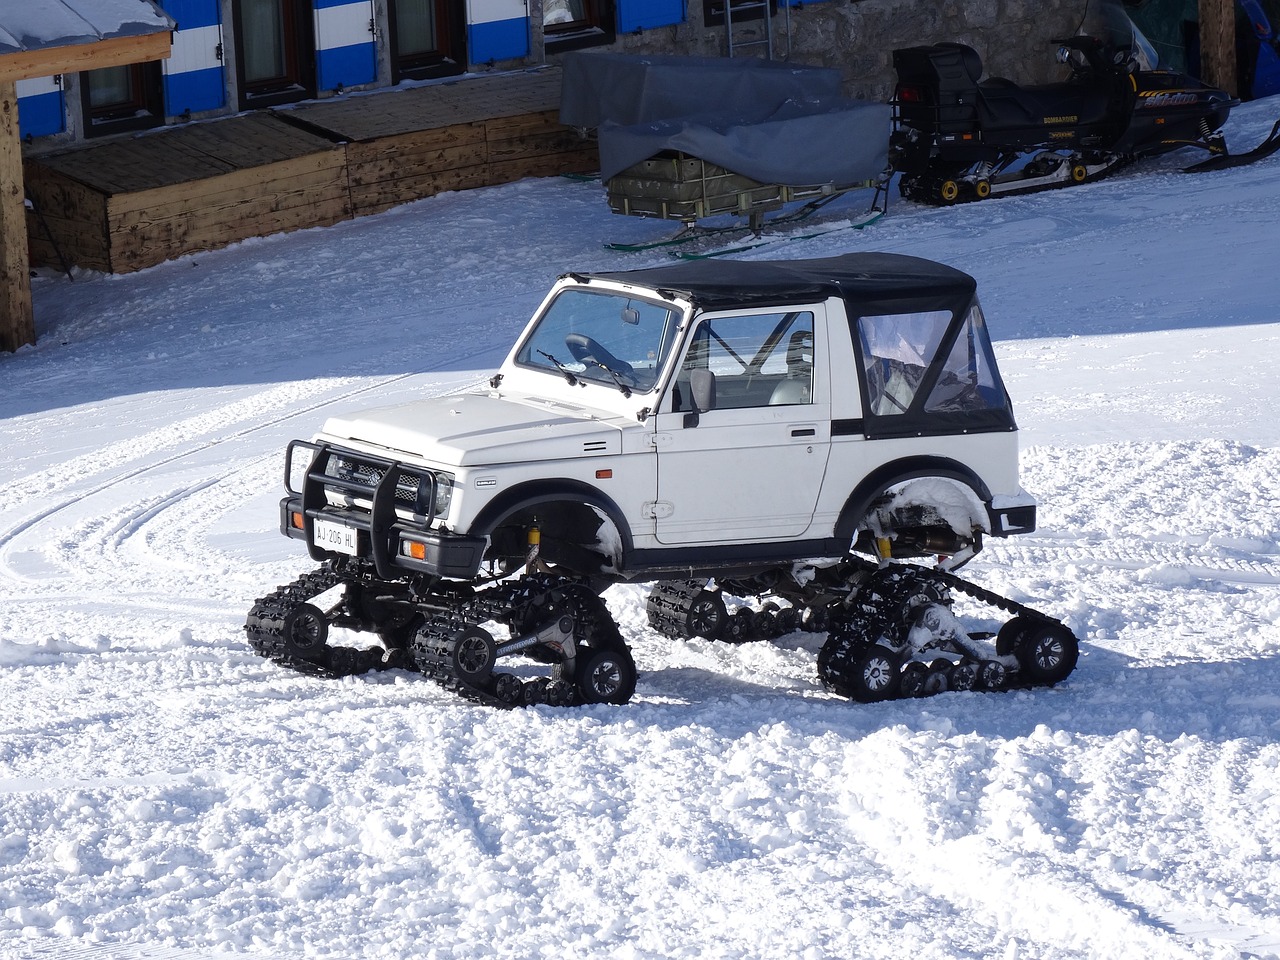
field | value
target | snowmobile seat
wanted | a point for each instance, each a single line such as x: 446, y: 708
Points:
x: 1003, y: 105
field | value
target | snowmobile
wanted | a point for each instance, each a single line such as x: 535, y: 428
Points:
x: 959, y: 137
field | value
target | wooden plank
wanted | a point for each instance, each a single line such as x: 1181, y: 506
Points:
x: 111, y: 52
x: 375, y: 197
x: 74, y: 214
x: 125, y: 166
x: 184, y: 154
x: 156, y: 232
x: 17, y: 322
x: 246, y: 181
x: 524, y: 124
x: 361, y: 119
x: 1218, y: 44
x: 78, y: 242
x: 410, y: 166
x: 551, y: 165
x: 563, y: 141
x: 416, y: 142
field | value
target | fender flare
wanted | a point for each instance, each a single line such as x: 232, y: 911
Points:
x: 900, y: 471
x: 534, y: 492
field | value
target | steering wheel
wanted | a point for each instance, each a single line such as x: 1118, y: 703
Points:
x: 588, y: 351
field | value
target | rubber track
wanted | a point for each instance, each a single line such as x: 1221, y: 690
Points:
x: 265, y: 629
x: 522, y: 606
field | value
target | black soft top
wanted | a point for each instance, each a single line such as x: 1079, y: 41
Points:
x: 862, y: 279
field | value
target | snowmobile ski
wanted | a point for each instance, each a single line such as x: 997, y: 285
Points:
x: 768, y: 241
x: 1223, y: 161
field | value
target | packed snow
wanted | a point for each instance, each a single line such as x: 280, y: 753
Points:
x: 165, y: 794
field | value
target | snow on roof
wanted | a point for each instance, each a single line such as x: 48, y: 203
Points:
x: 38, y: 24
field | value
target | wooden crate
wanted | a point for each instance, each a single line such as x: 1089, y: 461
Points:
x: 404, y: 145
x: 122, y: 205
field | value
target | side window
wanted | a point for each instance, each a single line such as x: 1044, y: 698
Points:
x: 896, y: 352
x: 969, y: 382
x: 758, y: 360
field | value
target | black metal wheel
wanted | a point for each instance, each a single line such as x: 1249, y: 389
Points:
x: 875, y: 675
x: 509, y: 689
x: 606, y: 676
x: 558, y: 693
x: 473, y: 655
x: 962, y: 676
x: 992, y: 675
x: 1048, y: 654
x: 1011, y: 634
x: 707, y: 615
x: 814, y: 619
x: 912, y: 682
x: 305, y: 629
x: 741, y: 626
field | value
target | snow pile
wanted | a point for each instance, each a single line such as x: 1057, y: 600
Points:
x: 165, y: 794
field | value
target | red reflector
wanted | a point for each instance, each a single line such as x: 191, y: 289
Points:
x: 909, y: 95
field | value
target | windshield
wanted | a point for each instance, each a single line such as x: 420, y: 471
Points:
x: 602, y: 337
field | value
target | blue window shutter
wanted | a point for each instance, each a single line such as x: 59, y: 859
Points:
x: 194, y: 77
x: 645, y: 14
x: 41, y: 107
x: 345, y: 52
x: 497, y: 30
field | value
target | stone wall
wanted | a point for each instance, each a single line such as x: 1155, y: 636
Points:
x: 1016, y: 38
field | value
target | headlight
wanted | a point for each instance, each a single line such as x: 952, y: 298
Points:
x: 444, y: 494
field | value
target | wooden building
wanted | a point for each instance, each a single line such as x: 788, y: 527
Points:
x: 42, y: 37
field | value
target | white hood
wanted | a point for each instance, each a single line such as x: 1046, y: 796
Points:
x: 476, y: 429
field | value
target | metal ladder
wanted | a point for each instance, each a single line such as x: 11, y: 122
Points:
x: 746, y: 7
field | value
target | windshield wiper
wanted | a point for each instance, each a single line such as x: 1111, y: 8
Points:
x: 568, y: 374
x: 626, y: 391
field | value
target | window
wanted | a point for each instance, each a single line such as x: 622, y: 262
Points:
x: 758, y: 360
x: 275, y: 59
x: 567, y: 24
x: 740, y: 11
x: 896, y: 351
x: 927, y: 362
x: 121, y: 98
x: 602, y: 338
x: 425, y: 38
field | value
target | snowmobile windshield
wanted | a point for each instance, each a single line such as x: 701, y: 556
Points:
x: 930, y: 371
x: 601, y: 337
x: 1108, y: 22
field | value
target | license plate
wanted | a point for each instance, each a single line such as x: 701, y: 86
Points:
x: 337, y: 537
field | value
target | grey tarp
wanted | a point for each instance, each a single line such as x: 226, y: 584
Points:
x: 772, y: 122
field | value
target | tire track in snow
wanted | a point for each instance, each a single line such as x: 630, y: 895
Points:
x: 1135, y: 555
x: 40, y: 485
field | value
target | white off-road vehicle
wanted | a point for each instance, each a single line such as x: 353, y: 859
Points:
x: 779, y: 433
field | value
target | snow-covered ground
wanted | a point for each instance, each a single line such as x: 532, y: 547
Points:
x: 165, y: 794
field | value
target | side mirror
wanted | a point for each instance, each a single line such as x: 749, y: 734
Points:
x: 702, y: 384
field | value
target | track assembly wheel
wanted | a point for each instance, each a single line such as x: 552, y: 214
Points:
x: 874, y: 676
x: 707, y: 615
x: 473, y: 655
x: 1048, y: 653
x: 305, y: 630
x: 606, y: 676
x: 741, y: 626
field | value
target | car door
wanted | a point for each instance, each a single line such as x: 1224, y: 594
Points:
x: 751, y: 466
